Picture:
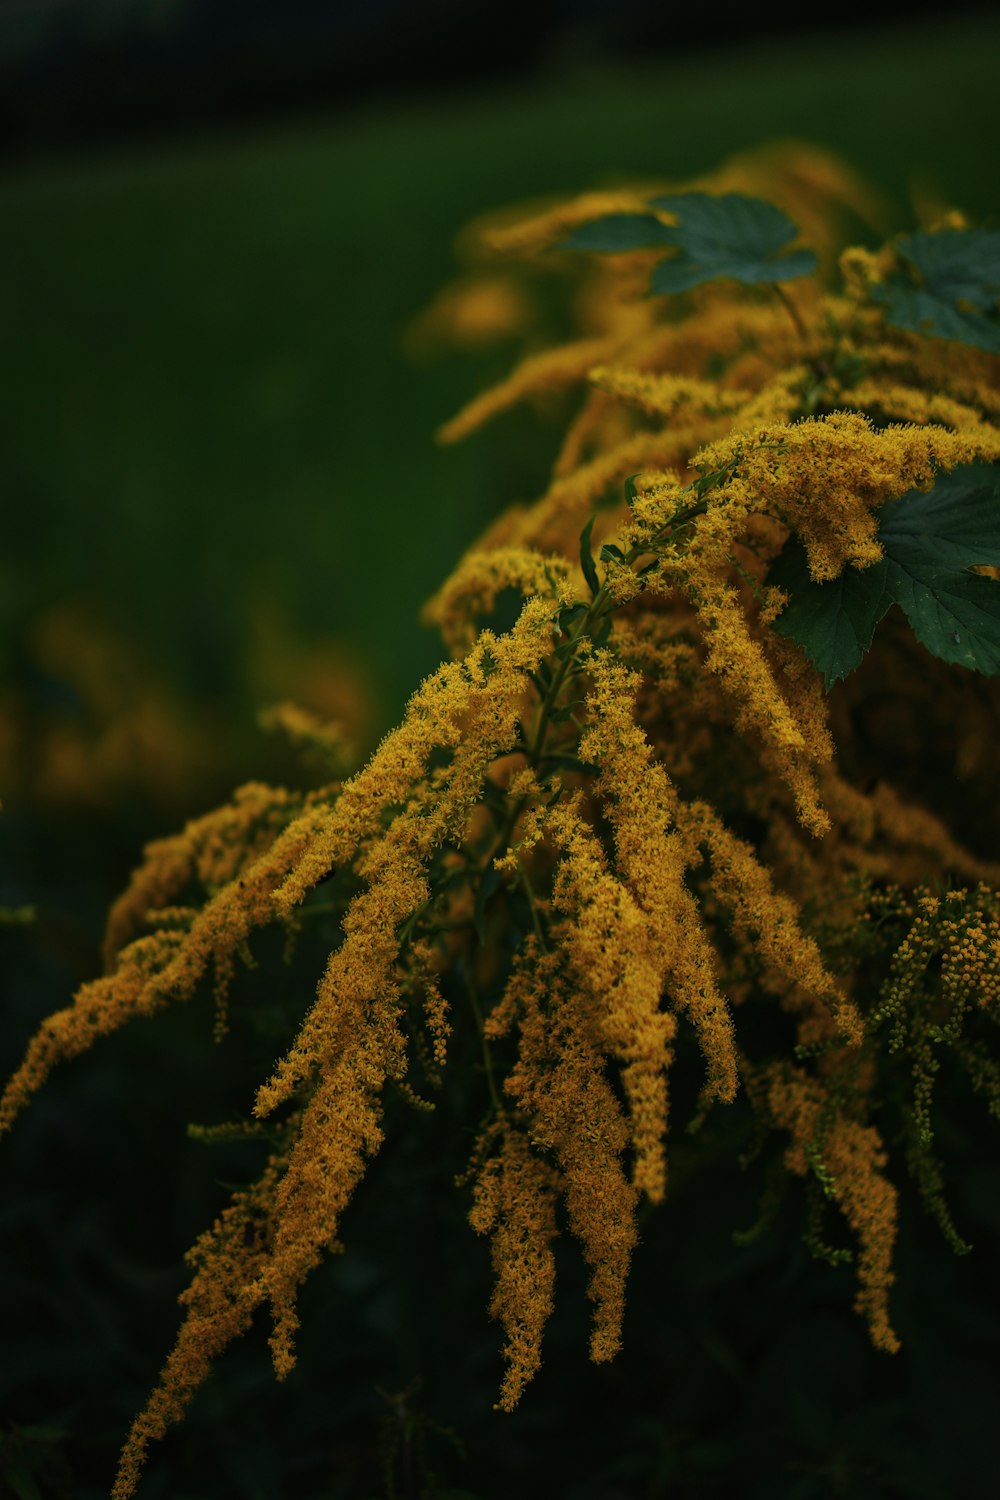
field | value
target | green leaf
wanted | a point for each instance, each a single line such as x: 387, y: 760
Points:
x: 618, y: 232
x: 929, y: 539
x: 587, y: 558
x: 957, y: 521
x: 947, y: 287
x: 631, y: 493
x: 833, y: 622
x: 568, y: 614
x: 601, y: 632
x: 728, y: 235
x: 744, y: 239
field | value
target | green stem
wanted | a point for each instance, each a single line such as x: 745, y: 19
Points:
x: 526, y: 886
x: 792, y: 310
x: 477, y: 1011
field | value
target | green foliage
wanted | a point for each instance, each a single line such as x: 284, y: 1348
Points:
x: 741, y: 238
x: 933, y: 1002
x: 946, y: 286
x: 615, y: 233
x: 930, y: 539
x: 716, y: 235
x: 587, y: 559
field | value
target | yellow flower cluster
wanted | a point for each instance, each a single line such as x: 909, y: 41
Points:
x: 825, y: 479
x: 515, y: 1203
x: 220, y: 1302
x: 851, y: 1157
x: 641, y: 805
x: 472, y: 590
x: 571, y: 1116
x: 599, y: 841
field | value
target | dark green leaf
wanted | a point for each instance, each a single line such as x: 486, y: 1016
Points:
x: 947, y: 286
x: 542, y: 679
x: 685, y: 272
x: 587, y: 558
x: 955, y: 615
x: 929, y: 538
x: 712, y: 480
x: 611, y: 553
x: 601, y: 631
x: 631, y: 493
x: 728, y: 235
x: 569, y: 614
x: 617, y: 232
x: 955, y: 522
x: 832, y: 622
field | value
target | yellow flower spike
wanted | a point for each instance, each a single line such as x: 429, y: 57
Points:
x: 572, y: 1117
x: 213, y: 850
x: 854, y: 1156
x: 553, y: 370
x: 472, y: 589
x: 514, y: 1201
x: 651, y: 857
x: 219, y: 1307
x: 768, y: 919
x: 528, y: 235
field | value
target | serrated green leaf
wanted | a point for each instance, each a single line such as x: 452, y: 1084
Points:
x: 947, y: 286
x: 616, y: 233
x: 957, y: 521
x: 929, y: 539
x: 683, y: 273
x: 587, y: 558
x: 955, y: 615
x: 728, y: 235
x: 717, y: 235
x: 833, y: 622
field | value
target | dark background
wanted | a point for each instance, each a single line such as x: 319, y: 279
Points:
x: 219, y: 488
x: 72, y: 68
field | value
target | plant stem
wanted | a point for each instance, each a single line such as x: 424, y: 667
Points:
x: 792, y: 310
x: 477, y: 1011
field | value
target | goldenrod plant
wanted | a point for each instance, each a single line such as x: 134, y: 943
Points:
x: 720, y: 786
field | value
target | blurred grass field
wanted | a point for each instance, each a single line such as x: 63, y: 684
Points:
x: 206, y: 409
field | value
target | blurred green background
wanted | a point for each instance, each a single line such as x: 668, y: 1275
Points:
x: 212, y: 443
x: 206, y: 404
